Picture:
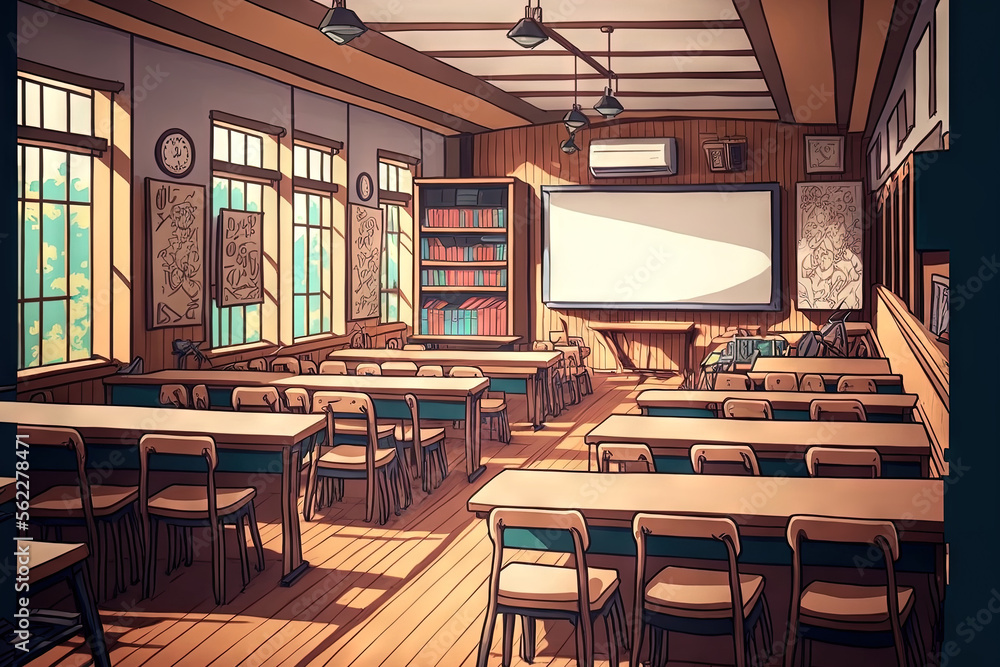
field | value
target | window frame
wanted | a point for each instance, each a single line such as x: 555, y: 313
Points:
x: 394, y: 201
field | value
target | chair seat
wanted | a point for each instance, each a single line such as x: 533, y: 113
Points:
x: 850, y: 606
x: 696, y: 593
x: 428, y: 436
x: 492, y: 405
x: 359, y: 427
x: 185, y: 501
x: 352, y: 457
x: 552, y: 587
x: 64, y: 501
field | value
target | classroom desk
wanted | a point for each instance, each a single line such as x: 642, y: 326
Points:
x: 248, y: 442
x: 828, y: 367
x: 780, y: 445
x: 445, y: 399
x: 787, y: 405
x: 611, y: 330
x: 511, y: 372
x: 143, y: 390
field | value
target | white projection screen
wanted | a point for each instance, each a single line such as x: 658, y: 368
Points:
x: 699, y: 247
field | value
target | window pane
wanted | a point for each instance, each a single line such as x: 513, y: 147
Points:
x: 20, y: 171
x: 31, y: 327
x: 32, y: 171
x: 315, y: 316
x: 32, y: 240
x: 79, y: 173
x: 383, y: 176
x: 54, y: 250
x: 79, y: 283
x: 80, y: 109
x: 315, y: 257
x: 54, y: 174
x: 252, y: 323
x: 327, y: 168
x: 255, y: 197
x: 32, y: 104
x: 300, y: 260
x: 238, y: 148
x: 393, y: 180
x: 224, y: 316
x: 393, y: 301
x: 314, y: 210
x: 315, y: 165
x: 325, y: 287
x: 220, y: 141
x: 406, y: 181
x: 55, y: 106
x: 255, y: 149
x: 384, y: 310
x: 220, y: 196
x: 301, y: 160
x: 325, y: 217
x: 299, y: 329
x: 236, y: 332
x: 19, y: 119
x: 216, y: 339
x: 53, y: 332
x: 237, y: 195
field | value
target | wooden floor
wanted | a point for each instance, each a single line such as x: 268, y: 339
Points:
x: 410, y: 592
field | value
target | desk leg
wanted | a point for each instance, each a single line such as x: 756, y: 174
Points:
x: 531, y: 396
x: 292, y: 565
x: 93, y: 630
x: 473, y: 467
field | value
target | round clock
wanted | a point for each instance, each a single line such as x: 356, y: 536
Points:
x: 365, y: 186
x: 175, y: 153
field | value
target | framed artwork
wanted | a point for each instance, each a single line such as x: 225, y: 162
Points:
x: 366, y: 233
x: 940, y: 311
x: 240, y: 261
x: 824, y: 154
x: 175, y: 252
x: 829, y: 246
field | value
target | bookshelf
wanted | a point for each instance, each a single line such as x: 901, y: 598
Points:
x: 471, y: 268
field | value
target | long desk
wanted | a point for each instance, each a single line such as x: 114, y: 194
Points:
x: 254, y: 443
x: 787, y: 405
x: 825, y: 366
x: 511, y: 372
x: 611, y: 330
x: 780, y: 445
x: 448, y: 399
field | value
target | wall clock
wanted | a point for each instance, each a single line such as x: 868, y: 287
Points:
x: 366, y: 188
x: 175, y: 153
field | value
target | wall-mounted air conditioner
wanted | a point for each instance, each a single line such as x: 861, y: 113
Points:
x: 633, y: 158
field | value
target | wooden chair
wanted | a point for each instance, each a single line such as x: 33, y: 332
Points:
x: 199, y: 398
x: 297, y: 400
x: 106, y: 512
x: 577, y: 373
x: 577, y: 593
x: 625, y: 455
x: 555, y: 384
x: 857, y: 384
x: 174, y: 395
x: 694, y: 600
x: 368, y: 369
x: 871, y: 616
x: 465, y: 372
x: 379, y: 467
x: 492, y: 406
x: 724, y: 460
x: 286, y: 365
x: 259, y: 364
x: 733, y: 382
x: 747, y: 408
x: 184, y: 507
x: 399, y: 368
x: 843, y: 462
x: 414, y: 347
x: 837, y: 410
x: 333, y: 368
x: 426, y: 445
x: 308, y: 367
x: 256, y: 399
x: 812, y: 382
x: 430, y: 371
x: 781, y: 382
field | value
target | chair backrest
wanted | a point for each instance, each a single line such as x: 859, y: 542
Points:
x: 348, y: 405
x: 286, y: 365
x: 747, y: 408
x: 256, y: 399
x: 414, y: 347
x: 625, y: 457
x: 239, y: 366
x: 297, y: 400
x: 368, y: 369
x: 259, y: 364
x: 399, y: 368
x: 542, y: 346
x: 199, y: 398
x: 199, y: 446
x: 69, y: 439
x: 812, y: 382
x: 465, y: 372
x: 41, y: 396
x: 781, y: 382
x: 857, y: 384
x: 308, y: 367
x: 430, y: 371
x: 837, y: 410
x: 333, y: 368
x: 843, y: 462
x: 414, y: 405
x: 175, y: 395
x: 724, y: 459
x: 733, y: 382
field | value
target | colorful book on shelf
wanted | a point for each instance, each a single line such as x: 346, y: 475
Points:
x: 476, y: 316
x: 466, y: 218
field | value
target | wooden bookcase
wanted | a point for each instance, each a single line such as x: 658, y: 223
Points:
x: 471, y: 262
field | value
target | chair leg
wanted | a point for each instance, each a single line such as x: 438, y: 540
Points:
x: 93, y: 629
x: 133, y: 545
x: 149, y: 583
x: 241, y: 543
x: 486, y: 639
x: 188, y: 546
x: 610, y: 622
x: 171, y: 548
x: 508, y: 638
x: 119, y: 548
x: 618, y: 608
x: 219, y: 565
x: 108, y: 584
x: 255, y: 536
x: 528, y: 639
x: 638, y: 625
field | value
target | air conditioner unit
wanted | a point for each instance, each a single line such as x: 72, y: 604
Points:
x: 632, y: 158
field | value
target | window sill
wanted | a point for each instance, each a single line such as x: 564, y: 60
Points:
x: 44, y: 377
x: 234, y: 350
x: 318, y: 342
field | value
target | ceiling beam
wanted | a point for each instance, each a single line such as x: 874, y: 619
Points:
x: 845, y: 40
x: 643, y: 93
x: 629, y: 75
x: 752, y: 15
x: 684, y: 53
x: 566, y: 25
x: 569, y: 46
x: 895, y: 44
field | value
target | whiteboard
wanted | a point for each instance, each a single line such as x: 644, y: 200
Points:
x: 663, y: 247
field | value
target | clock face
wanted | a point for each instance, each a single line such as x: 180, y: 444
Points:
x: 365, y: 186
x: 175, y: 153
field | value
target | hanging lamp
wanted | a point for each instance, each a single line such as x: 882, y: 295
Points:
x: 575, y: 119
x: 341, y: 24
x: 528, y: 32
x: 609, y: 106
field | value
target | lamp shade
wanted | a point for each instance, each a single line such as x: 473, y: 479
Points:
x: 527, y: 32
x: 608, y: 106
x: 342, y: 25
x: 569, y: 145
x: 575, y: 119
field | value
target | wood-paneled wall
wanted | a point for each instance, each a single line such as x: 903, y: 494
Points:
x: 776, y: 154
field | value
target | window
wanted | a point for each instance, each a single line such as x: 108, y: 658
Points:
x: 395, y: 182
x: 901, y: 122
x: 312, y: 309
x: 875, y: 158
x: 56, y: 149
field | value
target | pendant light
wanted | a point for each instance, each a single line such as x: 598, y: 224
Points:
x: 608, y: 106
x: 575, y: 118
x: 528, y: 31
x: 341, y: 24
x: 569, y: 145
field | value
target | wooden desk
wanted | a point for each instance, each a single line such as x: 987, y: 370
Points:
x: 828, y: 367
x: 440, y: 398
x: 511, y: 372
x: 611, y: 330
x: 249, y: 442
x: 787, y: 405
x: 144, y: 389
x: 856, y: 332
x: 466, y: 342
x: 784, y: 441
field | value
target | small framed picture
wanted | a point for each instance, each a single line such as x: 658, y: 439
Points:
x: 824, y: 154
